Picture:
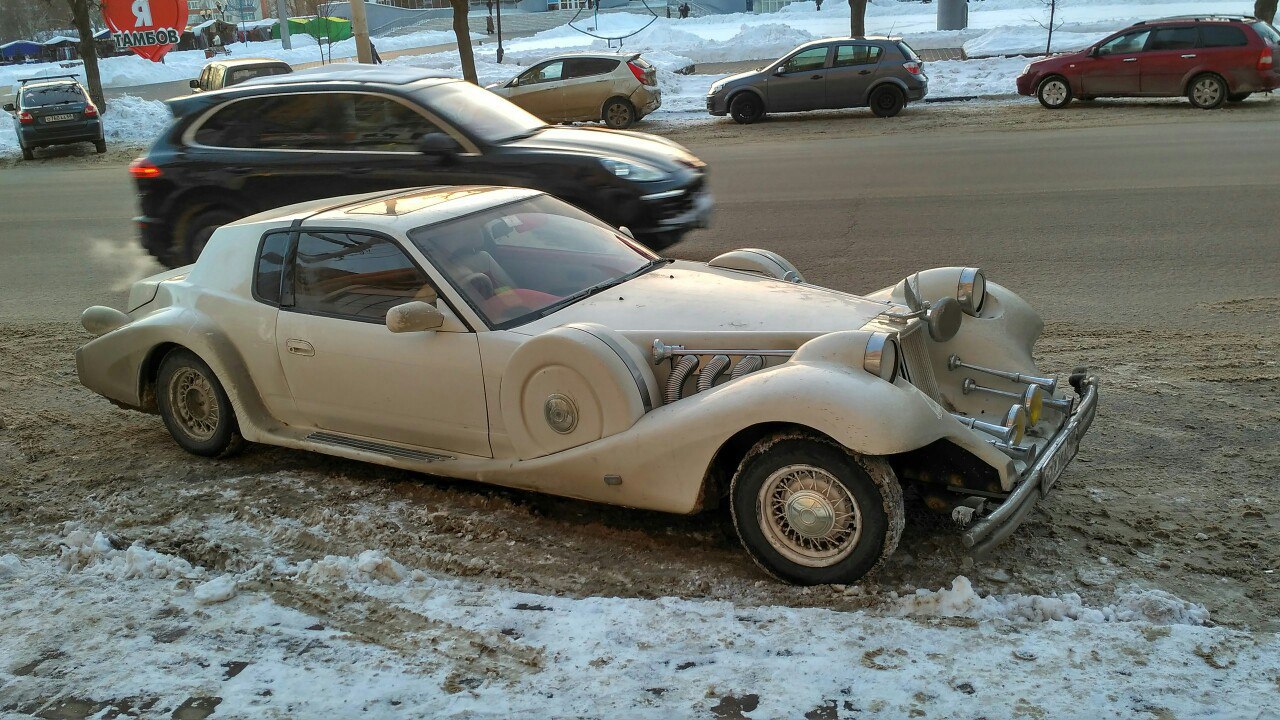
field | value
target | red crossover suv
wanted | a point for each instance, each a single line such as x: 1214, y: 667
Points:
x: 1211, y: 60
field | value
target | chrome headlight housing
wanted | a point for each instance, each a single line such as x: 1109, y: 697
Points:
x: 630, y: 170
x: 971, y: 291
x: 881, y: 356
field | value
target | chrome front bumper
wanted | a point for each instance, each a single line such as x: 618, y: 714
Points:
x: 1040, y: 477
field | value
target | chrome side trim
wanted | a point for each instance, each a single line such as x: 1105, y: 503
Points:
x: 1039, y: 478
x: 376, y: 447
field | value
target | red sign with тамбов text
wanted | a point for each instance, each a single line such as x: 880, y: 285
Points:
x: 147, y: 27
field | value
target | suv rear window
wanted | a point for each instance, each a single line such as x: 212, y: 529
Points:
x: 1268, y: 33
x: 1222, y: 36
x: 51, y: 95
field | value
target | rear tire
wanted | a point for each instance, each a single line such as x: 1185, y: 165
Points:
x: 619, y: 114
x: 198, y: 230
x: 195, y: 408
x: 1054, y: 92
x: 810, y: 512
x: 100, y: 146
x: 28, y: 153
x: 1207, y: 91
x: 1238, y: 97
x: 887, y: 101
x: 746, y: 108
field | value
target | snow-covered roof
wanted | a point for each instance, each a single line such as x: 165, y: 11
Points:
x: 57, y: 39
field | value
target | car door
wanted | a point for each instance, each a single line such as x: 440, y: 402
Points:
x: 853, y: 67
x: 347, y: 373
x: 797, y: 84
x: 536, y: 90
x: 1114, y: 68
x: 1169, y: 56
x: 586, y: 87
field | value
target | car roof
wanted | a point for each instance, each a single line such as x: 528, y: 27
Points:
x: 1196, y: 18
x: 591, y: 55
x: 248, y: 61
x: 350, y: 73
x: 402, y: 209
x: 868, y: 38
x: 49, y: 83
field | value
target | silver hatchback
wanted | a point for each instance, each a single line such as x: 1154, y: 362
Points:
x: 877, y: 72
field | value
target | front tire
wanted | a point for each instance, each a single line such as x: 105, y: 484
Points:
x: 1054, y: 92
x: 746, y: 108
x: 887, y: 101
x: 619, y: 114
x: 195, y: 408
x: 1207, y: 91
x: 810, y: 512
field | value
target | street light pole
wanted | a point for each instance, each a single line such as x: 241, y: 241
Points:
x: 283, y: 13
x: 360, y: 28
x: 499, y: 31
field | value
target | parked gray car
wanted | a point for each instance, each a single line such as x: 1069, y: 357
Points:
x: 880, y: 72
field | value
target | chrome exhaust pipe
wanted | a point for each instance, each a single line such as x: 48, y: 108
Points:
x: 1048, y: 383
x: 663, y: 351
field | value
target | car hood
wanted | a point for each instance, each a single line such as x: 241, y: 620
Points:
x: 1059, y: 60
x: 748, y: 75
x: 687, y: 297
x: 599, y: 141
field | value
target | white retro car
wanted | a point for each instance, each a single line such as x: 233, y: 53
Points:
x: 500, y: 335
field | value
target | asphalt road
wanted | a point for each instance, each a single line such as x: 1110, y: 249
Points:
x: 1109, y: 223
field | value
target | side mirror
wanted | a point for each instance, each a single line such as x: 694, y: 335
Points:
x: 780, y: 70
x: 195, y: 84
x: 438, y: 144
x: 515, y: 82
x: 9, y: 107
x: 416, y: 316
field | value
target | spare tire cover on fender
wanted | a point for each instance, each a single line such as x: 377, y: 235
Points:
x: 572, y: 385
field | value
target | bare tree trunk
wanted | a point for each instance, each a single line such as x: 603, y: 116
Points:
x: 1048, y: 45
x: 1265, y: 10
x: 857, y: 18
x: 462, y: 31
x: 88, y: 51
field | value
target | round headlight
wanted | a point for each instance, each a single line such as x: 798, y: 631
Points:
x: 1016, y: 421
x: 971, y: 291
x: 881, y: 358
x: 1033, y: 403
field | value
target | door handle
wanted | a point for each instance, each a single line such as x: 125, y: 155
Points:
x: 1189, y: 56
x: 239, y: 170
x: 815, y: 77
x: 864, y: 72
x: 1130, y: 60
x: 300, y: 347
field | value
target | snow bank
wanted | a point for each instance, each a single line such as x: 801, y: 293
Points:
x: 219, y: 589
x: 371, y: 566
x: 1028, y: 41
x: 81, y: 552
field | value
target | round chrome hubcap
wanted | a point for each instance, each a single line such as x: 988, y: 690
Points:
x: 808, y: 516
x: 1207, y: 92
x: 194, y: 403
x: 1054, y: 92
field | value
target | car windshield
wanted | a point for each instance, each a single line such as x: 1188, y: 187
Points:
x: 524, y: 260
x: 51, y: 95
x: 479, y: 112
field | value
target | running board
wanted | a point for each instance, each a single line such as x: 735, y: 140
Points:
x: 376, y: 447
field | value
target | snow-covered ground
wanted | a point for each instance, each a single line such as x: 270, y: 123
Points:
x: 93, y: 621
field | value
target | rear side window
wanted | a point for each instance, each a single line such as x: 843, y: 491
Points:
x: 355, y: 276
x: 1222, y: 36
x: 586, y: 67
x: 847, y: 55
x: 1173, y: 38
x: 266, y: 276
x: 317, y: 121
x: 1268, y: 33
x: 908, y: 52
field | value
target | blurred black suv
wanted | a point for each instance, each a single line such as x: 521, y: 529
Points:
x: 55, y: 111
x: 278, y: 140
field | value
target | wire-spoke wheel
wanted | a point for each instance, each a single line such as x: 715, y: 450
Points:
x: 619, y: 114
x: 1207, y: 91
x: 194, y: 406
x: 1054, y: 92
x: 810, y: 512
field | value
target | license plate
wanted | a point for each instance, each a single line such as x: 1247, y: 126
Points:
x: 59, y: 118
x: 1066, y: 453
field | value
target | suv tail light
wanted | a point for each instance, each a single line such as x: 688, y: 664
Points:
x: 90, y: 111
x: 913, y: 67
x: 25, y: 118
x: 644, y: 76
x: 1267, y: 59
x: 143, y: 169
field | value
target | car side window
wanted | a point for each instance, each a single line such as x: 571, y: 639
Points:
x: 204, y: 78
x: 811, y: 59
x: 1173, y: 38
x: 1128, y: 43
x: 355, y: 276
x: 216, y: 77
x: 1222, y: 36
x: 546, y: 72
x: 270, y: 265
x: 317, y: 121
x: 243, y: 74
x: 847, y: 55
x: 587, y: 67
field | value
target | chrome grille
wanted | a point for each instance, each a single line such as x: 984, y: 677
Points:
x: 915, y: 354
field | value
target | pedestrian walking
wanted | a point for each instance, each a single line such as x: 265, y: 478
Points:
x: 377, y: 59
x: 819, y: 4
x: 489, y: 4
x: 488, y: 24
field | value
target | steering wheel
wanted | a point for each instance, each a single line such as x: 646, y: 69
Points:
x: 482, y: 283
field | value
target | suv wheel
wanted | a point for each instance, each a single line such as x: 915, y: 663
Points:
x: 887, y: 101
x: 746, y: 108
x: 28, y: 153
x: 198, y: 231
x: 1054, y: 92
x: 100, y: 145
x: 1207, y: 91
x: 618, y: 114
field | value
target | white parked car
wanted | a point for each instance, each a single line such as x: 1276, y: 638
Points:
x: 503, y: 336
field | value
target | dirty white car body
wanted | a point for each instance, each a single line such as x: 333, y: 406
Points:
x: 636, y: 381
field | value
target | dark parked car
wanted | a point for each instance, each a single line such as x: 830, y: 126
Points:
x: 877, y: 72
x: 225, y: 73
x: 55, y: 111
x: 1209, y: 59
x: 339, y: 130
